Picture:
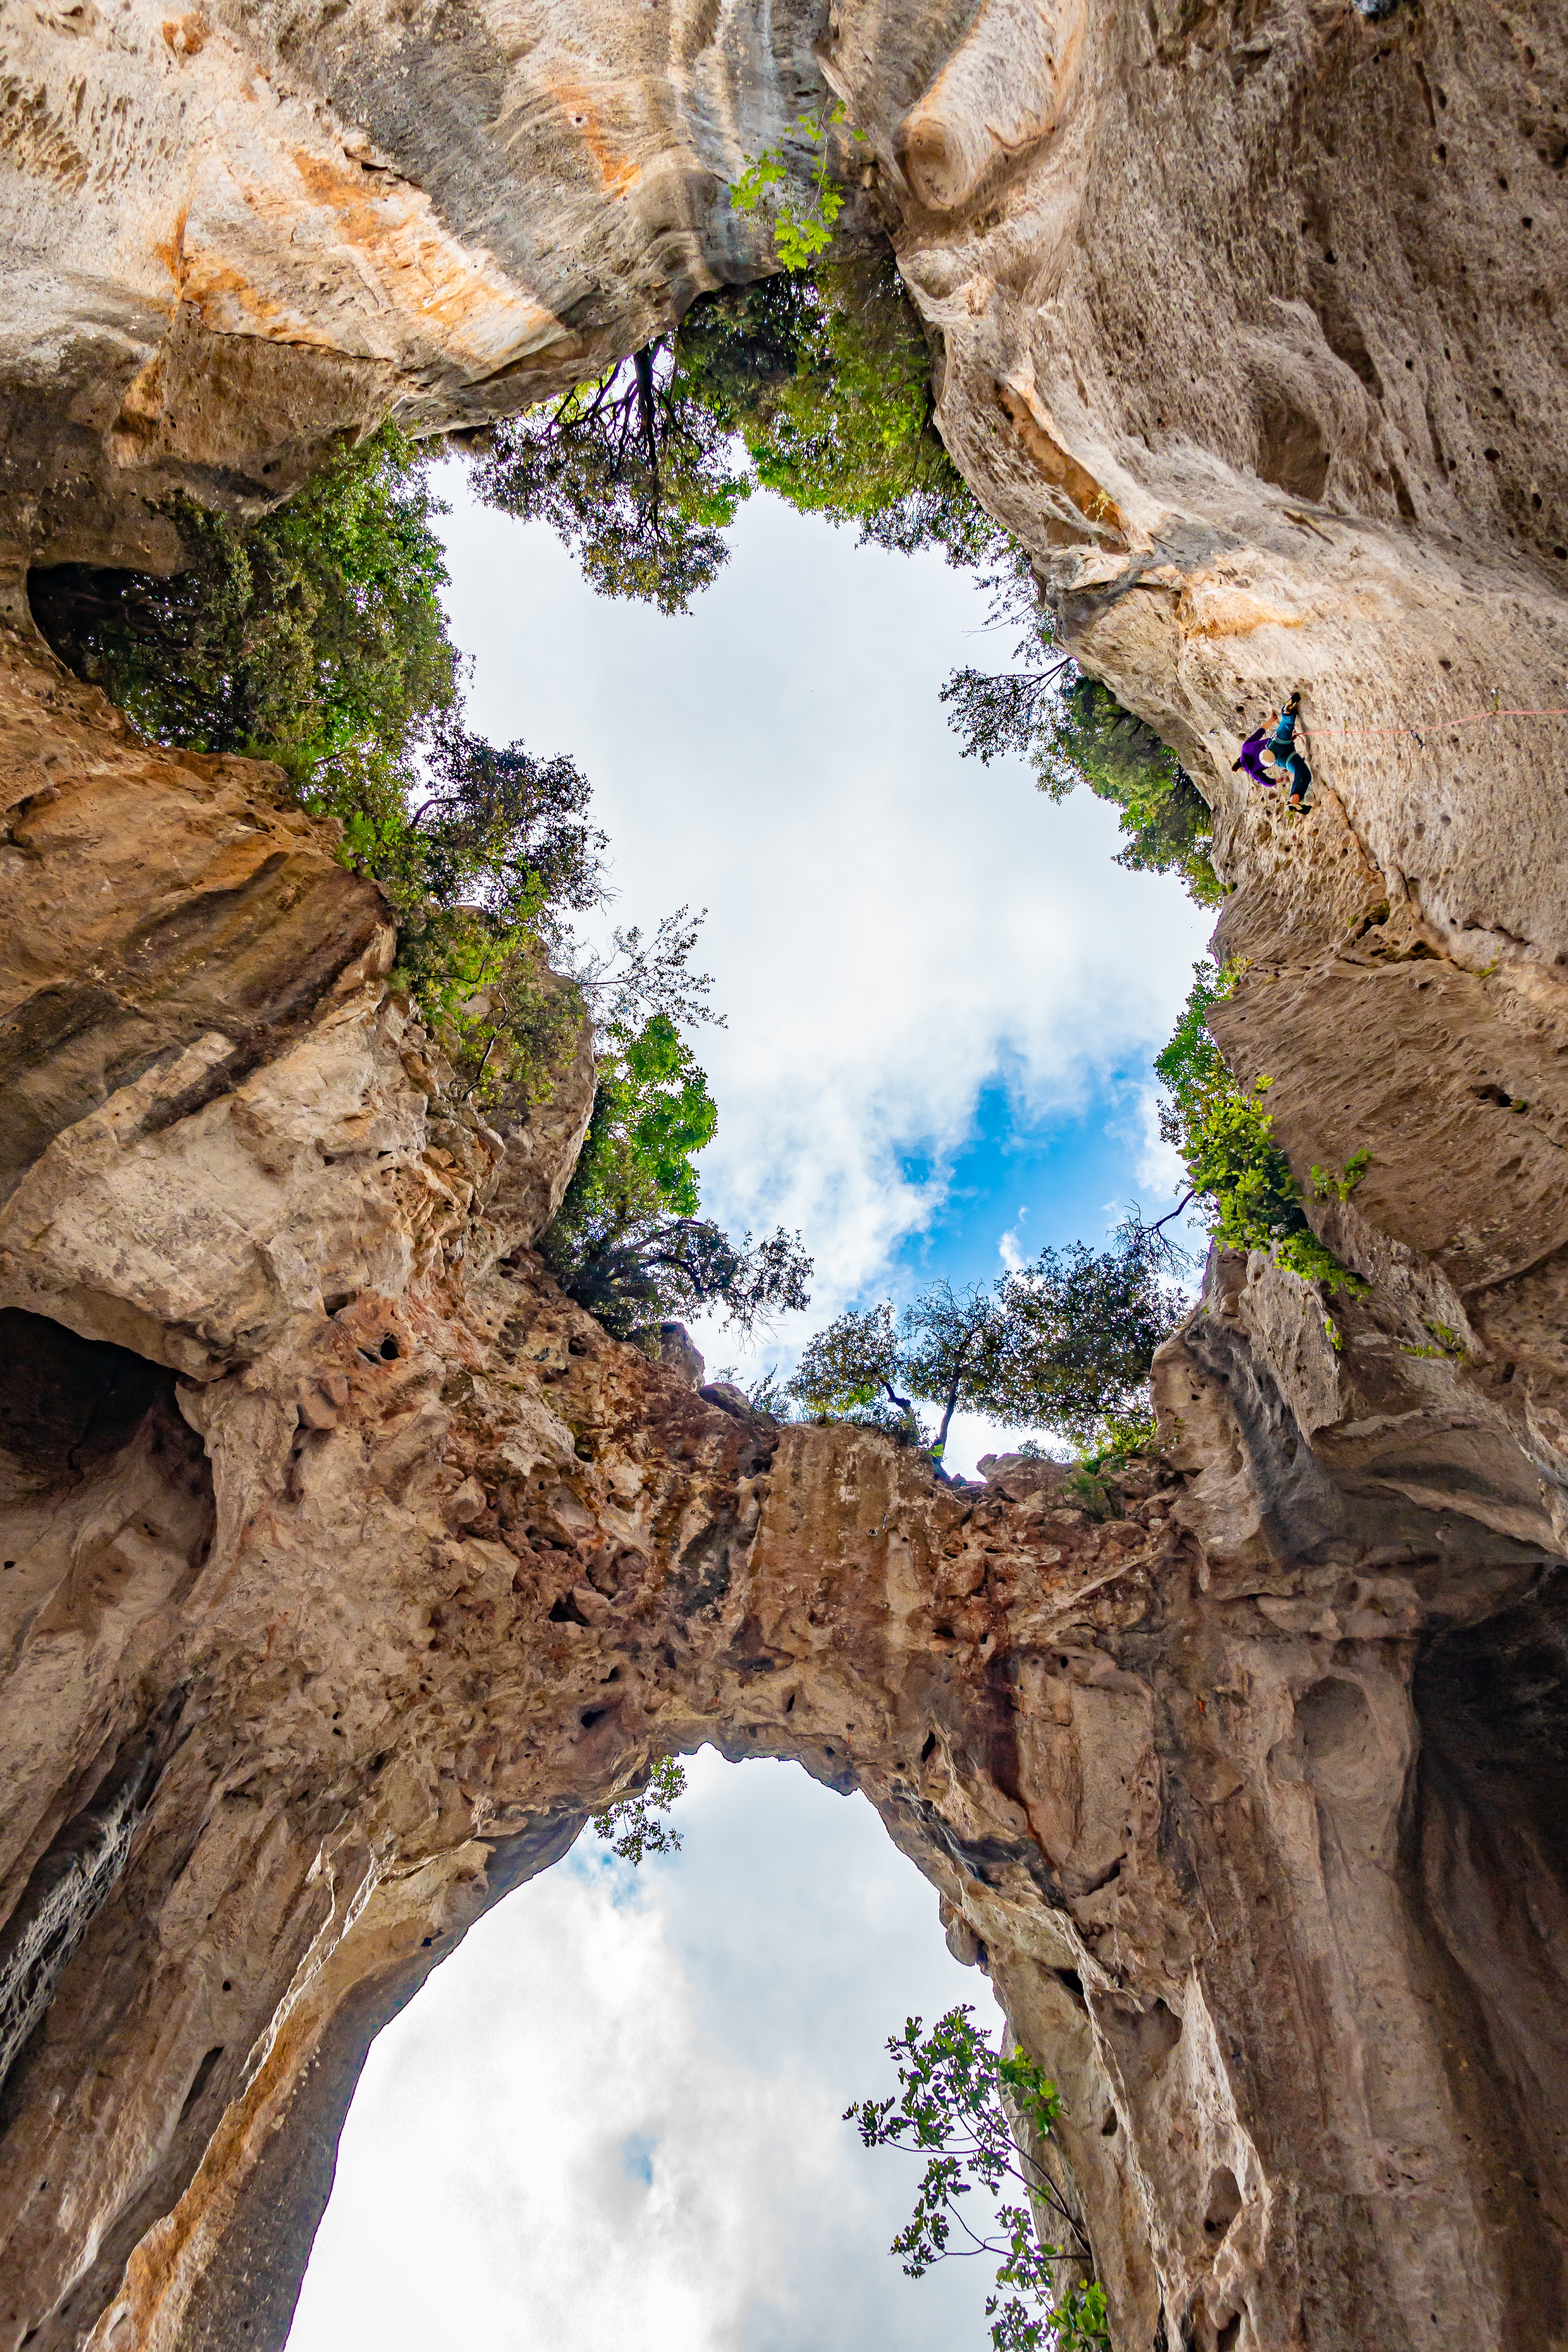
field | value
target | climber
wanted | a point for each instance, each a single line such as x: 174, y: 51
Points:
x: 1251, y: 761
x: 1281, y: 749
x: 1278, y: 748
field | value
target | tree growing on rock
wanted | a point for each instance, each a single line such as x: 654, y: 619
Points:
x: 818, y: 383
x: 1064, y: 1343
x: 629, y: 1243
x: 965, y: 2108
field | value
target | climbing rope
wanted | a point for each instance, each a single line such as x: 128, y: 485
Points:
x: 1434, y: 726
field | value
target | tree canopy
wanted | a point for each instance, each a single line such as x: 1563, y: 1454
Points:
x: 629, y: 1243
x: 1247, y: 1192
x: 1072, y: 730
x: 976, y: 2115
x: 312, y: 635
x: 1064, y: 1343
x: 823, y: 380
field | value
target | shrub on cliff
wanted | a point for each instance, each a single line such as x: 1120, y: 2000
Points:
x: 314, y: 635
x: 823, y: 382
x: 1064, y: 1343
x: 976, y: 2114
x: 1250, y: 1197
x: 1071, y: 730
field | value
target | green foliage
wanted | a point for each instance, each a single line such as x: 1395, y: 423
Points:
x: 1072, y: 730
x: 803, y: 219
x: 314, y: 635
x: 1326, y: 1185
x: 1065, y: 1342
x: 952, y: 2108
x: 632, y: 1823
x: 824, y: 381
x: 632, y: 472
x: 1224, y: 1134
x: 629, y: 1243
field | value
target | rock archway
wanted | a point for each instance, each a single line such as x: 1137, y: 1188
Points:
x: 1205, y: 1786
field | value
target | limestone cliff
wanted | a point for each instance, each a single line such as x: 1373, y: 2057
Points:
x: 347, y: 1566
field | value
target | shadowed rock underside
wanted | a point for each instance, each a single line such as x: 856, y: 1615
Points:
x: 347, y: 1566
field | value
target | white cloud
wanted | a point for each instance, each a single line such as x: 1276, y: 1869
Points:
x: 615, y: 2112
x: 1010, y: 1247
x: 891, y: 926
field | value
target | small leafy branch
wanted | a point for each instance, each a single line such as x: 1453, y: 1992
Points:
x: 1326, y: 1185
x: 1224, y: 1134
x: 803, y: 222
x: 631, y: 1824
x: 954, y: 2092
x: 1450, y: 1347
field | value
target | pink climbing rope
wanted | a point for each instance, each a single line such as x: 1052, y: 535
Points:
x: 1433, y: 726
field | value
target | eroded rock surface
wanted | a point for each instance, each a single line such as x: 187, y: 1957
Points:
x: 348, y: 1566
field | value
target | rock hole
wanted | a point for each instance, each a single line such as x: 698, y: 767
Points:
x: 1224, y: 2202
x: 565, y: 1612
x: 1229, y: 2335
x: 1292, y: 451
x: 1074, y: 1984
x: 1110, y: 2122
x: 337, y: 1302
x: 591, y: 1715
x: 390, y: 1349
x: 203, y: 2075
x: 927, y: 1752
x: 1338, y: 1739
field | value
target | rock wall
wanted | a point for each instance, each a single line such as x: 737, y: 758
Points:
x: 348, y: 1566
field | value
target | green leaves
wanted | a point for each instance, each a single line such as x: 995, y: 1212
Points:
x: 1072, y: 730
x: 627, y: 1243
x: 959, y: 2104
x: 314, y: 635
x: 805, y: 221
x: 1225, y: 1137
x: 825, y: 379
x: 632, y: 1824
x: 1063, y: 1343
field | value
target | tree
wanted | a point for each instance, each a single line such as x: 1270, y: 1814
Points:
x: 1063, y: 1343
x: 631, y: 472
x: 314, y: 635
x: 1249, y: 1195
x: 632, y: 1826
x: 1073, y: 730
x: 951, y: 2106
x: 825, y: 381
x: 629, y: 1243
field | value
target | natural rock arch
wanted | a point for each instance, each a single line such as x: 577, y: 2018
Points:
x: 457, y: 1567
x: 1255, y: 1813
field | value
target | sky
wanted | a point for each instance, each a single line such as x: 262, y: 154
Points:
x: 943, y: 994
x: 614, y: 2112
x: 614, y: 2115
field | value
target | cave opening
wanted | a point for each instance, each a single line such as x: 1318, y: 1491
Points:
x: 106, y: 1512
x: 622, y: 2093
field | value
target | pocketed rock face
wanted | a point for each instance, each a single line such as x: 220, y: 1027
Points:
x: 230, y: 235
x: 349, y: 1567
